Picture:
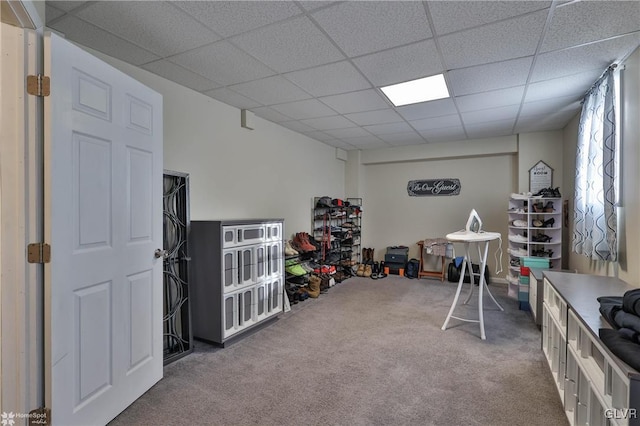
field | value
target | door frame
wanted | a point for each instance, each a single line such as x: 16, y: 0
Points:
x: 21, y: 212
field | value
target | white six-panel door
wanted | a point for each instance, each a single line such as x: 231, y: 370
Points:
x: 103, y: 219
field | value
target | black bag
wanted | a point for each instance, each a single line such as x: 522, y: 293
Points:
x: 412, y: 268
x: 453, y: 273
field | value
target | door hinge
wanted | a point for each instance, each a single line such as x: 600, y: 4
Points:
x: 39, y: 253
x: 40, y: 416
x: 38, y: 85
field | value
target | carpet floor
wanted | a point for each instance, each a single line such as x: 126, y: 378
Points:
x: 368, y: 352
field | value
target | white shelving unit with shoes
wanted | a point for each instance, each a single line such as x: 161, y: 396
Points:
x: 535, y: 230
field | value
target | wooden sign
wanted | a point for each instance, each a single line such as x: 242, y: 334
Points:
x: 433, y: 187
x: 540, y: 177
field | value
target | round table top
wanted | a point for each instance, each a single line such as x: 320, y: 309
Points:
x: 469, y: 237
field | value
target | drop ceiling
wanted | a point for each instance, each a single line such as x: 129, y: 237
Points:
x: 315, y: 67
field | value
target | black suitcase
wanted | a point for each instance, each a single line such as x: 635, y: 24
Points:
x: 453, y: 273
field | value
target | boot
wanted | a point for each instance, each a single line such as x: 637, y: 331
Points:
x: 375, y: 271
x: 371, y: 250
x: 381, y: 273
x: 314, y: 286
x: 289, y: 250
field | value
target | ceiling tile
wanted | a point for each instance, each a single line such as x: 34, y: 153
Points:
x: 368, y: 142
x: 563, y: 104
x: 444, y: 134
x: 418, y: 60
x: 404, y: 138
x: 328, y: 123
x: 297, y: 126
x: 481, y: 132
x: 270, y: 114
x: 492, y: 114
x: 349, y: 132
x: 52, y: 13
x: 436, y: 122
x: 549, y: 121
x: 271, y: 90
x: 573, y: 85
x: 489, y: 44
x: 232, y: 98
x: 329, y: 79
x: 491, y: 99
x: 586, y: 21
x: 340, y: 144
x: 88, y: 35
x: 380, y: 116
x: 361, y: 27
x: 67, y: 6
x: 289, y: 45
x: 180, y: 75
x: 428, y: 109
x: 501, y: 126
x: 308, y: 108
x: 389, y: 128
x: 585, y: 58
x: 313, y: 4
x: 483, y: 78
x: 229, y: 18
x: 237, y: 66
x: 450, y: 16
x: 363, y: 100
x: 318, y: 135
x: 160, y: 29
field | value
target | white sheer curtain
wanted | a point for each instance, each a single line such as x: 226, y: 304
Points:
x: 595, y: 224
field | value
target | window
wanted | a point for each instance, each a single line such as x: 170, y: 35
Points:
x: 597, y: 172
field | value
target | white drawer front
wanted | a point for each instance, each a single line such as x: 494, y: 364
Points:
x: 239, y: 311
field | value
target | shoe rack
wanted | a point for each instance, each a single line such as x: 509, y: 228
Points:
x: 337, y: 228
x: 535, y: 230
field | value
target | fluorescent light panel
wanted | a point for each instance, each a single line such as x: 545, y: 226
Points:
x: 414, y: 91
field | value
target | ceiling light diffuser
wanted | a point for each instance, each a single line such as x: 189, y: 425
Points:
x: 414, y: 91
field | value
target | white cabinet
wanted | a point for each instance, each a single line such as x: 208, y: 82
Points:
x: 595, y: 386
x: 237, y: 276
x: 535, y: 230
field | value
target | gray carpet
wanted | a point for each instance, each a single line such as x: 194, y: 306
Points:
x: 369, y: 352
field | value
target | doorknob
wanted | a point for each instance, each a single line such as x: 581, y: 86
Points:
x: 159, y: 253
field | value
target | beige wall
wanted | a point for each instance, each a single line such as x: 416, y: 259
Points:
x: 235, y: 173
x: 628, y: 268
x: 392, y: 217
x: 533, y: 147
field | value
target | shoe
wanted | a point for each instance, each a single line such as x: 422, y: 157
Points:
x: 288, y: 250
x: 314, y: 286
x: 375, y: 270
x: 548, y: 223
x: 296, y: 270
x: 519, y: 252
x: 368, y: 270
x: 381, y: 273
x: 548, y: 208
x: 519, y: 223
x: 537, y: 223
x: 514, y: 262
x: 518, y: 238
x: 360, y: 271
x: 541, y: 238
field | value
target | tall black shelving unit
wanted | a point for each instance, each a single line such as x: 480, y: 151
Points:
x: 176, y: 318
